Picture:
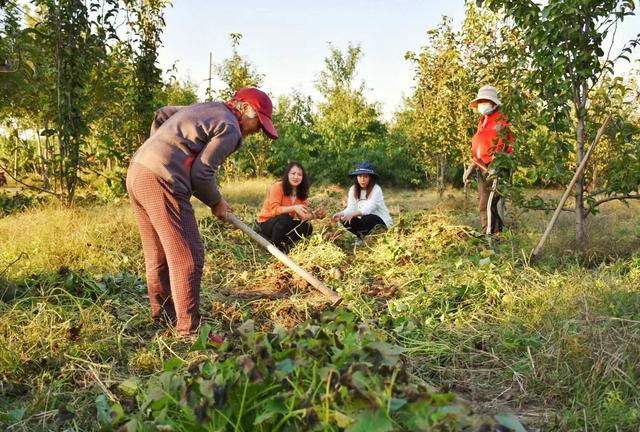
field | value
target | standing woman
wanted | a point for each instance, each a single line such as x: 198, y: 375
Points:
x: 285, y: 214
x: 365, y: 203
x: 487, y: 141
x: 181, y: 159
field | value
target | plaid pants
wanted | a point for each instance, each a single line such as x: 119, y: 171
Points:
x: 173, y: 250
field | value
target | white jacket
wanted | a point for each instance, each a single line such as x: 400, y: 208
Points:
x: 372, y: 205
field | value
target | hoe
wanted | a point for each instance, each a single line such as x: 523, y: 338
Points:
x: 282, y: 257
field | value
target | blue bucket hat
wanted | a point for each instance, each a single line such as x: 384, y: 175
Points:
x: 365, y: 167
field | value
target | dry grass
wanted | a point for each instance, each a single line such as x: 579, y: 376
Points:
x: 556, y: 343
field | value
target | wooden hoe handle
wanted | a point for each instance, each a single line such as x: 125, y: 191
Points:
x: 282, y: 257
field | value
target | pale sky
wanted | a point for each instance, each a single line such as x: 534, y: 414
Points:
x: 287, y: 40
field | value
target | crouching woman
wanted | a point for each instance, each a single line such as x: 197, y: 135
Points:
x: 365, y: 204
x: 285, y: 214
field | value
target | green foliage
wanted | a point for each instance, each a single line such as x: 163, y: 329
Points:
x: 80, y: 99
x: 566, y: 53
x: 349, y: 127
x: 15, y: 202
x: 438, y: 114
x: 178, y: 93
x: 330, y: 140
x: 328, y: 374
x: 147, y: 25
x: 436, y: 120
x: 298, y: 138
x: 237, y: 72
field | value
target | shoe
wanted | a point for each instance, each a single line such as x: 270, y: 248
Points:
x: 378, y: 229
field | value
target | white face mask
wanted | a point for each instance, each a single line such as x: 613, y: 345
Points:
x: 485, y: 108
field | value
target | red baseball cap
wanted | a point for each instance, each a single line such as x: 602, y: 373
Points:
x: 261, y: 103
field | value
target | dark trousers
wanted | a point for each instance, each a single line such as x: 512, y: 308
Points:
x: 283, y: 231
x: 361, y: 226
x: 484, y: 189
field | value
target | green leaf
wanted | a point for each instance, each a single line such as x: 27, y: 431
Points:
x: 396, y: 404
x: 360, y: 380
x: 510, y: 421
x: 286, y: 366
x: 390, y: 353
x: 342, y: 420
x: 130, y: 386
x: 369, y: 421
x: 130, y: 426
x: 247, y: 328
x: 47, y: 132
x: 172, y: 364
x: 17, y: 414
x: 201, y: 343
x: 272, y: 408
x: 117, y: 413
x: 103, y: 411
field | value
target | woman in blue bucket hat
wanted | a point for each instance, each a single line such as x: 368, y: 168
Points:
x: 365, y: 203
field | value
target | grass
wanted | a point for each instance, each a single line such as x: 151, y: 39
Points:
x: 557, y: 343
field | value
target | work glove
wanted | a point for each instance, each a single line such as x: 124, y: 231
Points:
x: 491, y: 174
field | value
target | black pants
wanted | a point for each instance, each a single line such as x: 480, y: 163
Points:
x: 283, y: 231
x: 361, y: 226
x: 484, y: 189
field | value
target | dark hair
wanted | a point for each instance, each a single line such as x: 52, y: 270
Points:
x: 357, y: 189
x: 302, y: 191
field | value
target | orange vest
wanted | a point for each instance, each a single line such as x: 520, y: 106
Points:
x: 488, y: 139
x: 275, y: 200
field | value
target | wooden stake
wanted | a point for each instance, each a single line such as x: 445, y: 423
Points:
x: 536, y: 252
x: 282, y: 257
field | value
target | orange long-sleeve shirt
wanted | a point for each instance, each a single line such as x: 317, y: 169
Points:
x: 275, y: 200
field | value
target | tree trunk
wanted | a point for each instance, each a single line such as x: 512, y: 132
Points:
x: 440, y: 175
x: 443, y: 170
x: 40, y: 164
x: 15, y: 161
x: 45, y: 168
x: 579, y: 196
x: 15, y: 156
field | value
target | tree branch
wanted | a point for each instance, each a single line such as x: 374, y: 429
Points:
x: 616, y: 197
x: 3, y: 168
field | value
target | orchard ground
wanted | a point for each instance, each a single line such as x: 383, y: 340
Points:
x: 556, y: 343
